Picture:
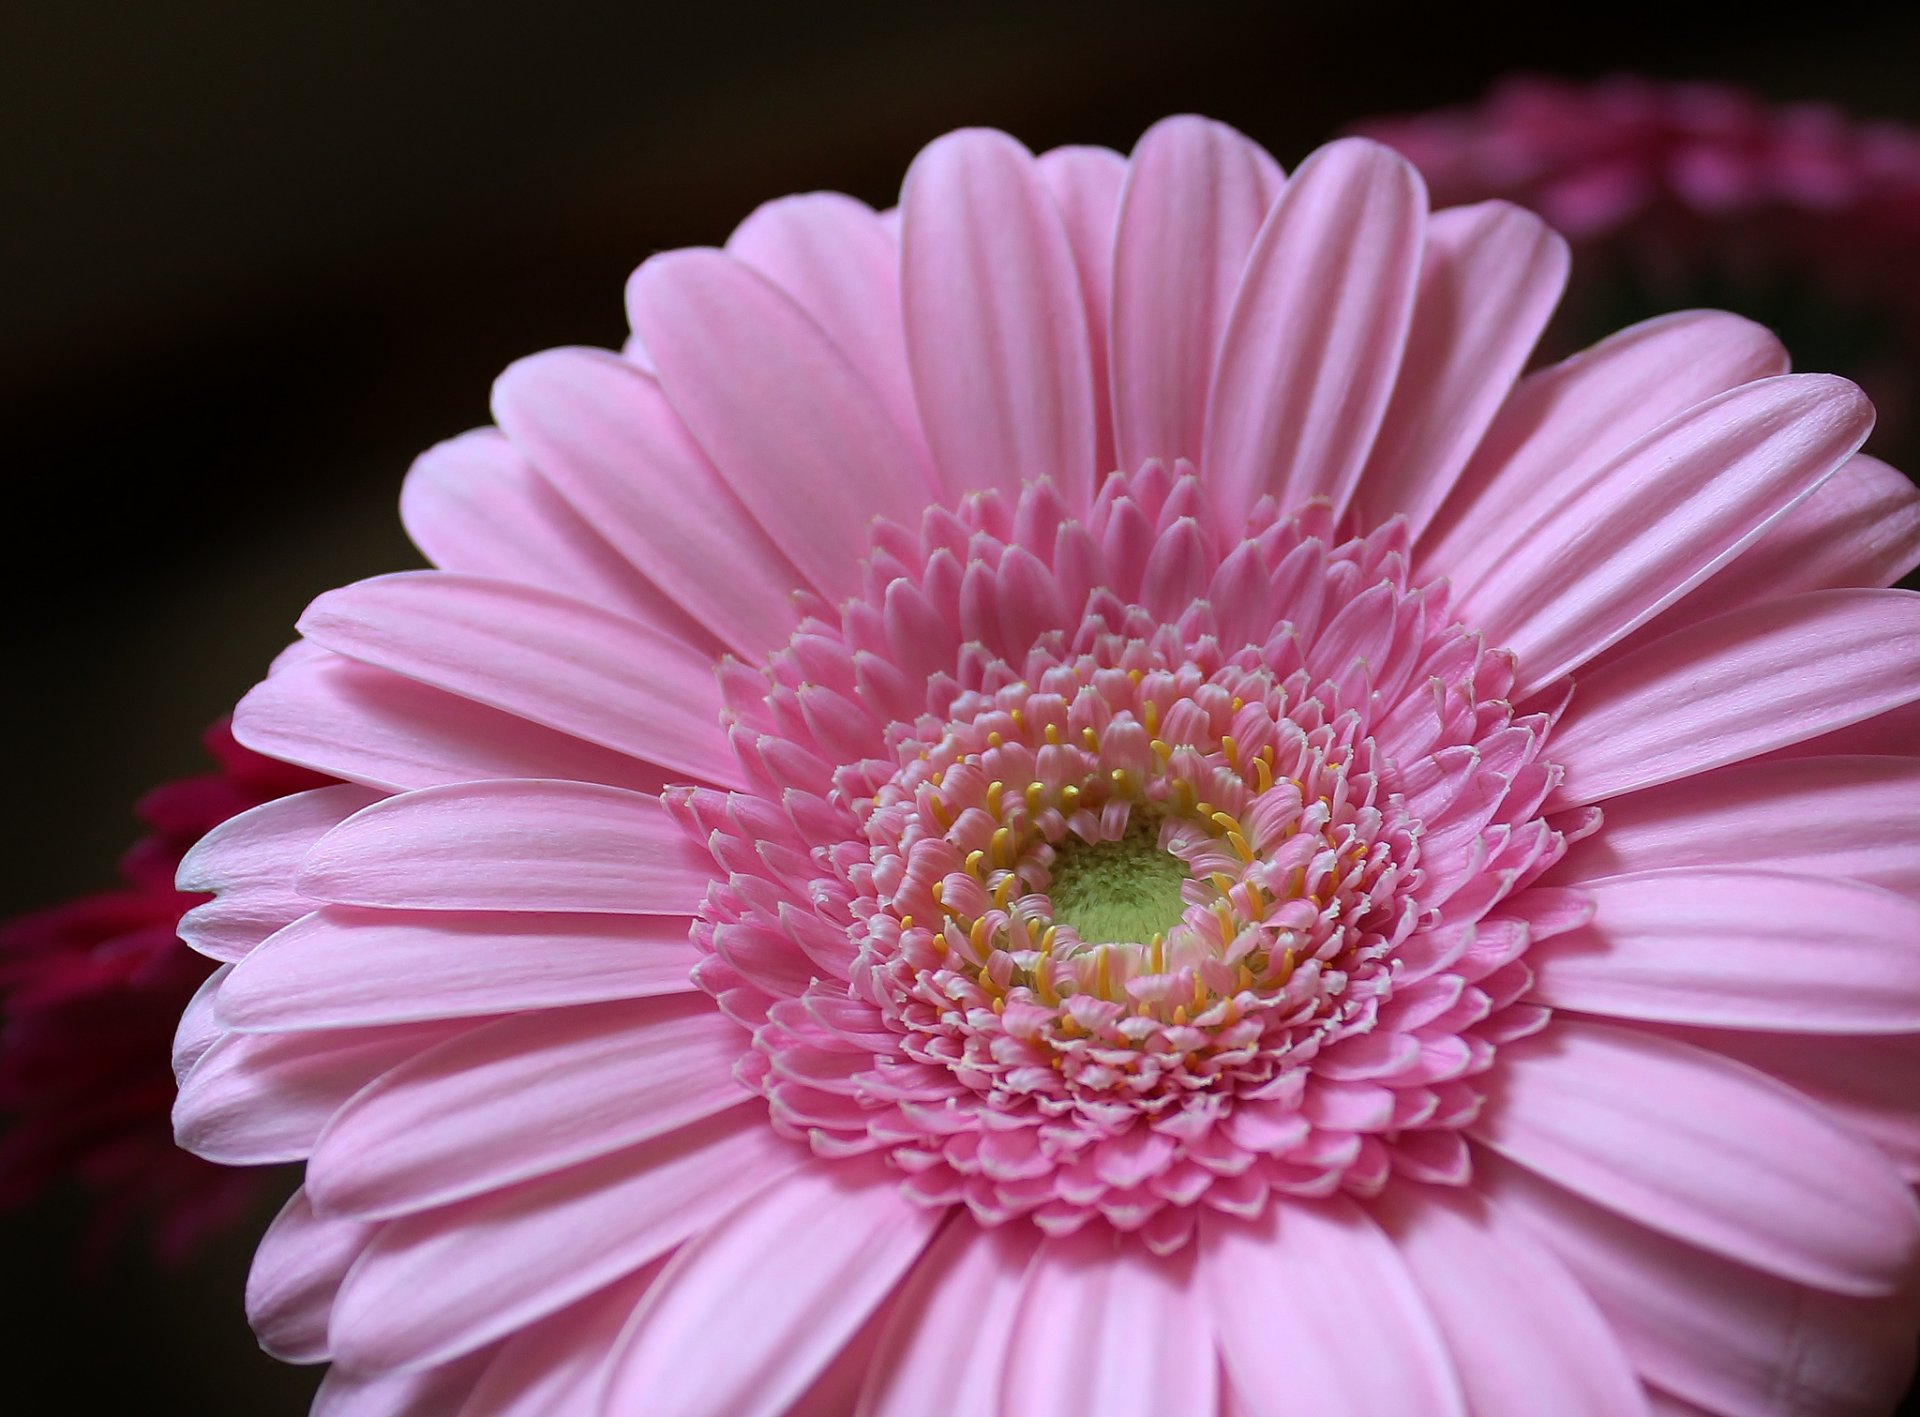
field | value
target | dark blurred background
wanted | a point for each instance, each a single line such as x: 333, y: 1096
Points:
x: 257, y: 256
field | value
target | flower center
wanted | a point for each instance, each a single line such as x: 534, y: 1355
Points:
x: 1123, y: 892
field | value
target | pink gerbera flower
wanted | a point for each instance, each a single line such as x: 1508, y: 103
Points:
x: 1074, y: 802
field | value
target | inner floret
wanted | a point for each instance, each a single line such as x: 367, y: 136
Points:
x: 1121, y: 892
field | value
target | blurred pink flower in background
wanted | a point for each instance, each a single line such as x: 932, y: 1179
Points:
x: 1399, y: 900
x: 90, y: 995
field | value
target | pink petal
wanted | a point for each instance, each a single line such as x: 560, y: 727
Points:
x: 969, y: 1281
x: 474, y: 504
x: 1718, y: 1333
x: 433, y: 1392
x: 1861, y: 527
x: 1740, y: 949
x: 369, y: 726
x: 1736, y: 686
x: 1700, y: 1148
x: 1196, y: 195
x: 198, y: 1029
x: 444, y: 1282
x: 1490, y: 279
x: 1525, y: 1337
x: 559, y: 1365
x: 793, y: 1273
x: 523, y: 1097
x: 1562, y: 425
x: 804, y: 441
x: 558, y: 662
x: 515, y: 846
x: 250, y: 861
x: 346, y: 968
x: 604, y: 433
x: 1851, y: 818
x: 1659, y: 520
x: 1086, y: 183
x: 1108, y: 1329
x: 839, y: 263
x: 296, y: 1271
x: 1286, y: 1288
x: 1313, y: 343
x: 996, y: 327
x: 253, y: 1099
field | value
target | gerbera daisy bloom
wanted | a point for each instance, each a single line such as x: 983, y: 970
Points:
x: 1798, y: 214
x: 90, y: 992
x: 1078, y: 800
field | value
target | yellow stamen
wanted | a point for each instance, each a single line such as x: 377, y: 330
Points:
x: 1053, y: 734
x: 1036, y: 798
x: 1157, y: 954
x: 1150, y: 716
x: 1122, y: 783
x: 1231, y: 749
x: 1161, y: 750
x: 1199, y: 994
x: 1019, y: 719
x: 1135, y: 675
x: 1091, y: 739
x: 995, y: 792
x: 1246, y: 977
x: 1222, y: 882
x: 1238, y: 703
x: 1239, y: 844
x: 1103, y: 972
x: 975, y: 859
x: 1002, y: 891
x: 977, y: 937
x: 940, y: 812
x: 1179, y: 1014
x: 1256, y: 902
x: 994, y: 740
x: 1069, y: 799
x: 1224, y: 913
x: 906, y: 922
x: 1262, y: 775
x: 1003, y: 846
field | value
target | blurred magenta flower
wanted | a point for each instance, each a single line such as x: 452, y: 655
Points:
x: 1400, y: 899
x: 90, y: 994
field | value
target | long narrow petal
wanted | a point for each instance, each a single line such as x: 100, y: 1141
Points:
x: 1737, y: 686
x: 1525, y: 1337
x: 952, y: 1326
x: 1314, y: 341
x: 444, y: 1282
x: 248, y: 863
x: 793, y: 1273
x: 1739, y: 949
x: 515, y: 846
x: 559, y: 1365
x: 1107, y: 1329
x: 1659, y: 520
x: 1736, y: 1341
x: 996, y: 326
x: 428, y: 1392
x: 1700, y: 1148
x: 604, y: 433
x: 475, y: 504
x: 1086, y: 184
x: 1286, y: 1289
x: 1565, y: 423
x: 369, y: 726
x: 1196, y: 195
x: 559, y: 662
x: 804, y: 441
x: 1489, y: 280
x: 297, y: 1269
x: 1852, y: 818
x: 523, y: 1097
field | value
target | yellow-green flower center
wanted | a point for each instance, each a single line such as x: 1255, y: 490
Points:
x: 1118, y: 892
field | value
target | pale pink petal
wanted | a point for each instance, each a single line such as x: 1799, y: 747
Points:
x: 1740, y: 949
x: 1196, y: 195
x: 516, y: 846
x: 430, y: 1392
x: 1286, y: 1290
x: 1659, y: 520
x: 296, y: 1271
x: 1715, y: 1332
x: 523, y: 1097
x: 559, y: 1365
x: 342, y: 967
x: 1314, y: 341
x: 801, y: 437
x: 475, y: 504
x: 792, y: 1274
x: 253, y: 1099
x: 1108, y: 1329
x: 444, y: 1282
x: 1565, y: 423
x: 199, y: 1029
x: 1700, y: 1148
x: 1861, y: 527
x: 1086, y: 183
x: 369, y: 726
x: 1524, y: 1336
x: 1489, y: 280
x: 250, y: 861
x: 996, y: 327
x: 1736, y: 686
x: 969, y: 1282
x: 604, y: 433
x: 559, y: 662
x: 1852, y: 818
x: 841, y: 265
